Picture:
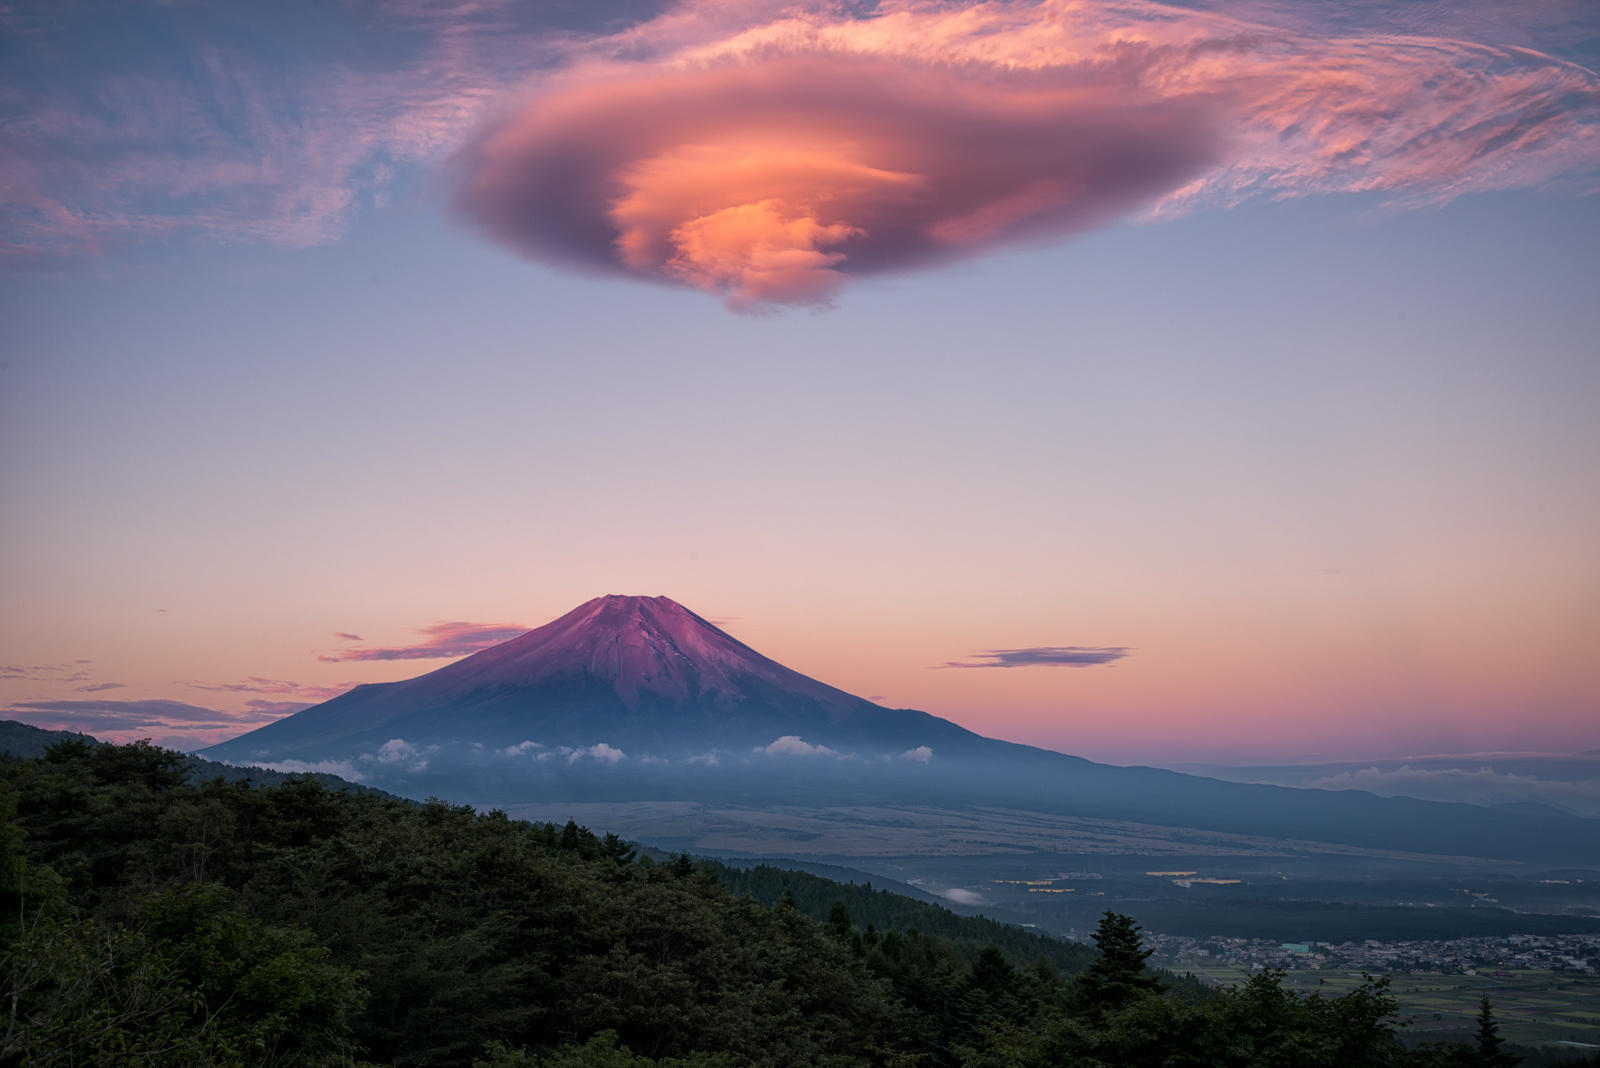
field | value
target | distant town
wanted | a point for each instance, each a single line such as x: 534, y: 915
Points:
x: 1577, y: 955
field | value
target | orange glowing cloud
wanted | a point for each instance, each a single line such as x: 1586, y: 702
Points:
x: 769, y: 157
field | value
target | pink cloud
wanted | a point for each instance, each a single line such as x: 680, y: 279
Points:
x: 282, y: 708
x: 278, y: 687
x: 442, y: 640
x: 769, y: 154
x: 46, y: 672
x: 769, y: 151
x: 166, y: 722
x: 771, y: 183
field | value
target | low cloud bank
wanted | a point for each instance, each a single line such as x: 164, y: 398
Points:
x: 342, y: 768
x: 1482, y: 786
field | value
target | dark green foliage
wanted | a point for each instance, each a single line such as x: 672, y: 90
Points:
x: 191, y: 982
x: 152, y: 919
x: 1117, y: 976
x: 463, y: 927
x: 839, y: 920
x: 1257, y: 1025
x: 879, y: 910
x: 601, y: 1051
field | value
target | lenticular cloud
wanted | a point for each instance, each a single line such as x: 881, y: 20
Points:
x: 770, y: 161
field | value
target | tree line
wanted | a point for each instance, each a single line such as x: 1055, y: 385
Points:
x: 146, y: 917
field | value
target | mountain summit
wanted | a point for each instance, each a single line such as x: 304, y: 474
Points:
x: 651, y: 650
x: 640, y: 674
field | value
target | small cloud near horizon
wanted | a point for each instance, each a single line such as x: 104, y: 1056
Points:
x: 793, y: 745
x: 1043, y: 655
x: 600, y: 751
x: 962, y: 897
x: 442, y: 641
x: 401, y: 755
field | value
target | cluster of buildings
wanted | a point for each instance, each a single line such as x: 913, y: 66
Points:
x: 1578, y: 955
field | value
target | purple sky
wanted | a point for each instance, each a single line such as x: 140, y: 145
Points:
x: 1223, y: 375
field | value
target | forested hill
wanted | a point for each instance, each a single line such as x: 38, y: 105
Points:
x: 879, y: 910
x: 813, y: 895
x: 25, y: 741
x: 146, y: 918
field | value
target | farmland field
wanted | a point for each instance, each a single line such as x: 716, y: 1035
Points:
x: 1535, y: 1008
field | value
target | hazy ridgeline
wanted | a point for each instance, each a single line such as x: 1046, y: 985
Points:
x: 628, y: 699
x: 150, y: 917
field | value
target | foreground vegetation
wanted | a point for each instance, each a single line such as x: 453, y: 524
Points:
x: 1532, y: 1008
x: 146, y: 918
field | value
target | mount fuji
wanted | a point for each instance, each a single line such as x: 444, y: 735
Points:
x: 627, y: 699
x: 640, y: 675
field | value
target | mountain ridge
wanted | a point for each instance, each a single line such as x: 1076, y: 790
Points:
x: 637, y: 698
x: 616, y: 670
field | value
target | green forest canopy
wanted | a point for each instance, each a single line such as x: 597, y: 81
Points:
x: 152, y: 918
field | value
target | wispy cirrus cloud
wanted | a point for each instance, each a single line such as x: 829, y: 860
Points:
x: 278, y: 708
x: 73, y: 672
x: 177, y: 724
x: 1043, y: 655
x: 91, y: 714
x: 444, y: 640
x: 150, y: 122
x: 768, y: 153
x: 280, y: 687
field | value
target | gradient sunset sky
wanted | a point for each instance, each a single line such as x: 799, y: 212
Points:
x: 1208, y: 382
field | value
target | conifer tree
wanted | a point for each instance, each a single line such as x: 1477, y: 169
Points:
x: 1117, y: 976
x: 839, y: 920
x: 1491, y: 1053
x: 613, y: 847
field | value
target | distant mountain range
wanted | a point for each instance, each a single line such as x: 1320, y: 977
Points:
x: 638, y: 698
x: 1554, y: 783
